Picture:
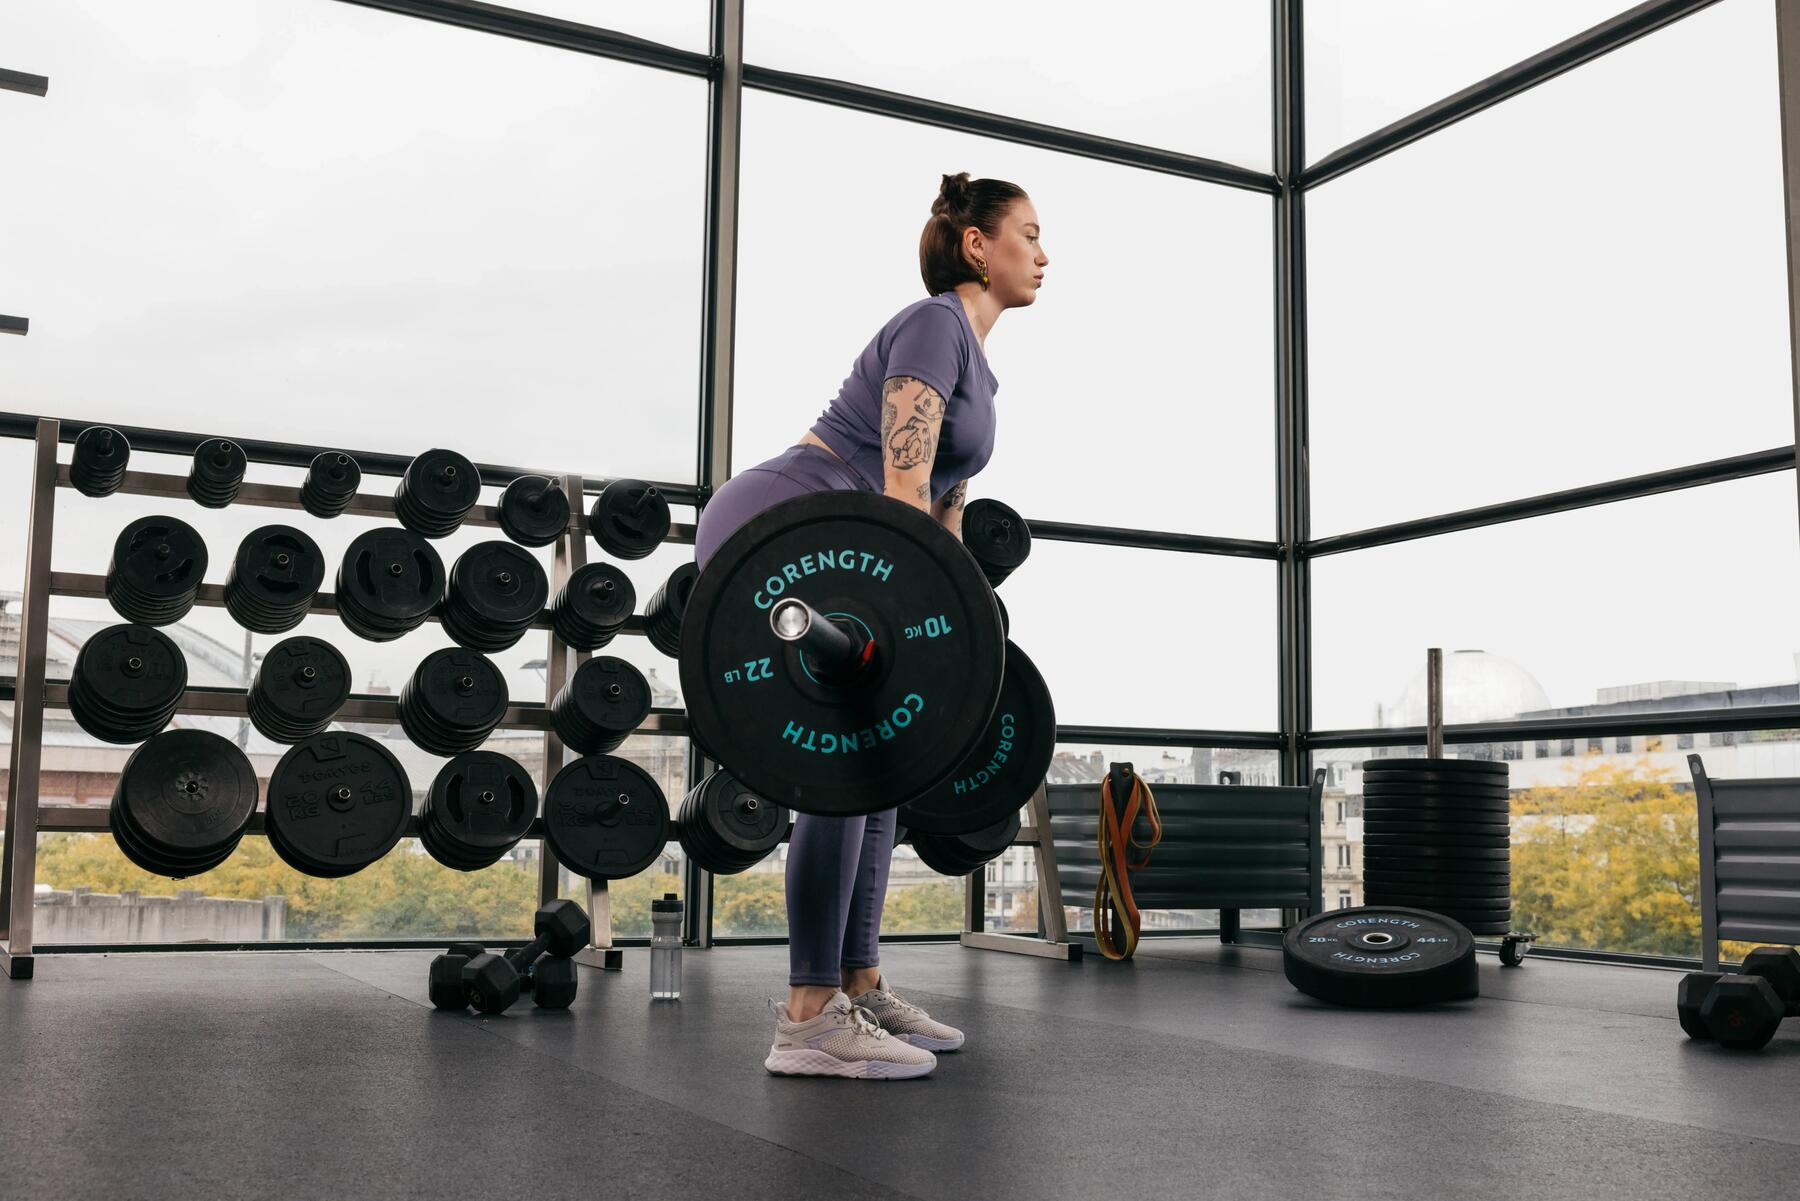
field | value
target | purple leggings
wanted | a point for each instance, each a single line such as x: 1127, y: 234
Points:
x: 837, y: 867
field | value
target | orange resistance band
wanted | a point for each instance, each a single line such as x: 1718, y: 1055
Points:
x: 1113, y: 892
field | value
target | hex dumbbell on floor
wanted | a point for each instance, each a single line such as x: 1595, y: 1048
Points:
x: 445, y: 981
x: 1742, y: 1011
x: 551, y: 982
x: 493, y: 982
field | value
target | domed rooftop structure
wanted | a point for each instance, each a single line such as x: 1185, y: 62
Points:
x: 1477, y: 687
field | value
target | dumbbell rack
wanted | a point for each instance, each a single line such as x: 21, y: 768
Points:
x: 25, y: 818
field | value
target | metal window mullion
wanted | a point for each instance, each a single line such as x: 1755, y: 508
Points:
x: 717, y: 342
x: 1293, y: 573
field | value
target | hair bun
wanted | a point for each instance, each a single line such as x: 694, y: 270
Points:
x: 953, y: 197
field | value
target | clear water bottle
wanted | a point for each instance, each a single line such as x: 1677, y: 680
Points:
x: 665, y: 948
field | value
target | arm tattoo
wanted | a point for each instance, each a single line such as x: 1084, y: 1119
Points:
x: 924, y: 491
x: 929, y: 404
x: 953, y: 499
x: 911, y: 442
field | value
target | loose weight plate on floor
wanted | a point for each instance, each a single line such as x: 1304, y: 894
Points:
x: 605, y: 818
x: 1380, y: 956
x: 883, y: 571
x: 1006, y: 768
x: 337, y: 803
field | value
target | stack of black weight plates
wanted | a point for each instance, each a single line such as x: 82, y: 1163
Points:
x: 1436, y: 837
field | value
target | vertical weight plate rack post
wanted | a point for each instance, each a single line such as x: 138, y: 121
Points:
x: 18, y: 876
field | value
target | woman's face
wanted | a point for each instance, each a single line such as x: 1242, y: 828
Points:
x: 1016, y: 259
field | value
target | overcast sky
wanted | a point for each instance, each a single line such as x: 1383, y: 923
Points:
x: 306, y: 220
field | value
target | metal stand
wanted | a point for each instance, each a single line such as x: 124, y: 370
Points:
x: 1054, y: 944
x: 25, y: 819
x: 560, y: 661
x: 18, y: 876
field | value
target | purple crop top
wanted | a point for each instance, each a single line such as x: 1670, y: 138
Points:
x: 930, y: 340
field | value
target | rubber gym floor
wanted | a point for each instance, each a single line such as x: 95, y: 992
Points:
x: 1194, y: 1070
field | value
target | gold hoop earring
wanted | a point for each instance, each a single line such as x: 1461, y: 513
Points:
x: 984, y: 276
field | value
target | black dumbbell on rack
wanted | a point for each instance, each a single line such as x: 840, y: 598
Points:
x: 1744, y: 1010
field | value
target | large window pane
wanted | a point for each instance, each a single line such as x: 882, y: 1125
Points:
x: 1678, y: 601
x: 1135, y: 391
x: 1187, y: 77
x: 1369, y: 64
x: 1128, y: 637
x: 1605, y: 850
x: 1584, y: 283
x: 303, y: 222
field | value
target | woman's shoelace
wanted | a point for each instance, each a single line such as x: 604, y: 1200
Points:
x: 865, y: 1021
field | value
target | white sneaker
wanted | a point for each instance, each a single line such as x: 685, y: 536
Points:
x: 906, y: 1021
x: 842, y: 1040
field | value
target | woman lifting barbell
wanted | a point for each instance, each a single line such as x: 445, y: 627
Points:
x: 914, y: 420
